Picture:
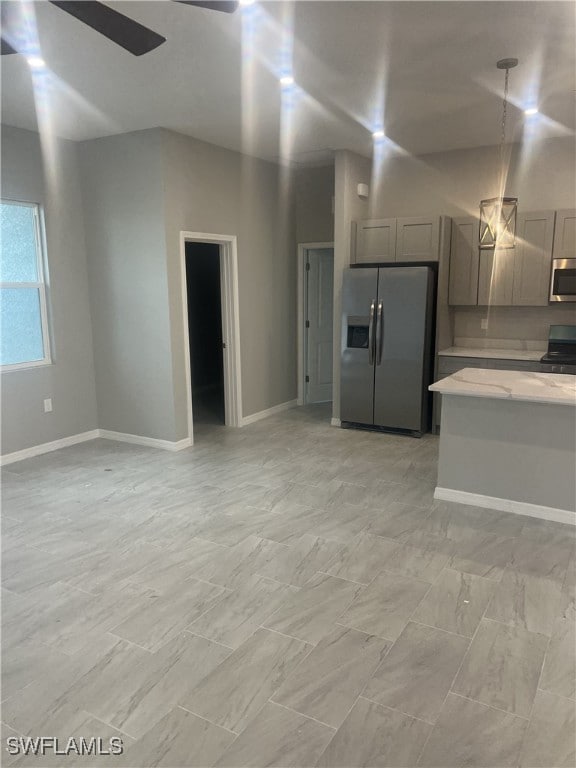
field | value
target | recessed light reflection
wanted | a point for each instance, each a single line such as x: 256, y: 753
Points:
x: 287, y: 80
x: 531, y: 111
x: 35, y: 62
x: 247, y: 2
x: 378, y: 135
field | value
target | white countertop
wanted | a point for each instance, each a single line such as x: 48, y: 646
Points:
x: 496, y: 354
x: 556, y: 388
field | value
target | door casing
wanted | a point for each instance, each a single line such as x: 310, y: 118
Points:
x: 303, y: 249
x: 230, y: 325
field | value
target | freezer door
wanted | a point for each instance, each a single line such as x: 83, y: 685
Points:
x: 403, y: 347
x: 359, y: 294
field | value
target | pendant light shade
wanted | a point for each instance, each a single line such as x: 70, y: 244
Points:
x: 498, y: 214
x: 498, y: 222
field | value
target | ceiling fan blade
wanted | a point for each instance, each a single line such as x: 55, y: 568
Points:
x: 123, y: 31
x: 6, y: 48
x: 216, y: 5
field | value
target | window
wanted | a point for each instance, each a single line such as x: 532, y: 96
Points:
x: 24, y: 338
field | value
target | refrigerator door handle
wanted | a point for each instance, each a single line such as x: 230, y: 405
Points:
x: 371, y: 333
x: 379, y: 333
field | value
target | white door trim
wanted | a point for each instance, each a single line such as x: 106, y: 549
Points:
x: 302, y: 249
x: 230, y: 324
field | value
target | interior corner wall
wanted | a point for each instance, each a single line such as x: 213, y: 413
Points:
x: 69, y: 380
x: 213, y: 190
x: 124, y: 218
x: 350, y: 170
x: 313, y: 202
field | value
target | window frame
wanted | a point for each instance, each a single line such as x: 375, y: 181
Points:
x: 40, y: 285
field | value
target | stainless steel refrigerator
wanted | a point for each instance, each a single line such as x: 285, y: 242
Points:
x: 387, y: 338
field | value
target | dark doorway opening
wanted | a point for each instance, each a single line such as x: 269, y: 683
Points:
x: 205, y: 332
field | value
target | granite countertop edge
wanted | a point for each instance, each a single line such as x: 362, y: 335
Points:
x: 553, y: 388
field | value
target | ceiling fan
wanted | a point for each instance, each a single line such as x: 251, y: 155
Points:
x: 122, y: 30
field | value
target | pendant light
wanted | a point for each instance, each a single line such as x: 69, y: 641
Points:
x: 498, y: 215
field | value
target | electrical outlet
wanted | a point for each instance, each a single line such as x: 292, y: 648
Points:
x: 484, y: 324
x: 48, y: 405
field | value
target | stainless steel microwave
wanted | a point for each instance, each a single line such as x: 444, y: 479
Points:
x: 563, y: 280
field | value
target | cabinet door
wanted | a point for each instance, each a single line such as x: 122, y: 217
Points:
x: 533, y: 258
x: 496, y: 277
x: 464, y: 261
x: 375, y: 241
x: 565, y: 234
x: 418, y: 239
x: 517, y: 365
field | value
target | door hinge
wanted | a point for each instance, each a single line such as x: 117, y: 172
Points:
x: 307, y: 379
x: 307, y: 323
x: 307, y: 266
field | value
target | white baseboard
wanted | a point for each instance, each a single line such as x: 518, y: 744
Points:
x: 150, y: 442
x: 268, y: 412
x: 335, y: 422
x: 38, y: 450
x: 506, y: 505
x: 121, y: 437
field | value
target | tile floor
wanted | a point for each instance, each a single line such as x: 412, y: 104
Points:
x: 288, y: 594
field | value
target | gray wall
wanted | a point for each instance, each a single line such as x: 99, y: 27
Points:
x: 313, y: 196
x: 140, y: 191
x: 124, y: 214
x: 213, y: 190
x: 69, y: 381
x: 541, y: 175
x: 350, y: 170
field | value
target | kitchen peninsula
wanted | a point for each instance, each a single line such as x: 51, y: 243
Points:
x: 508, y: 442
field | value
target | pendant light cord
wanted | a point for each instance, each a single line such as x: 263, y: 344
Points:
x: 504, y: 111
x: 498, y: 215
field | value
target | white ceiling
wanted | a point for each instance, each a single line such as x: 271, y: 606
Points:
x: 425, y: 70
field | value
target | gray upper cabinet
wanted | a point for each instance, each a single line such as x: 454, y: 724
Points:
x: 375, y: 241
x: 518, y: 276
x: 565, y: 234
x: 381, y: 241
x: 496, y: 277
x: 463, y: 288
x: 417, y: 239
x: 533, y: 258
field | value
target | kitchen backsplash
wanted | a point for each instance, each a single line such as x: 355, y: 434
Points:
x: 527, y: 345
x: 515, y: 324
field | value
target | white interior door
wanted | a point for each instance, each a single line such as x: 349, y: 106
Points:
x: 319, y: 324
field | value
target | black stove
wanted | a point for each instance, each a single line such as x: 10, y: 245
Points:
x: 561, y: 346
